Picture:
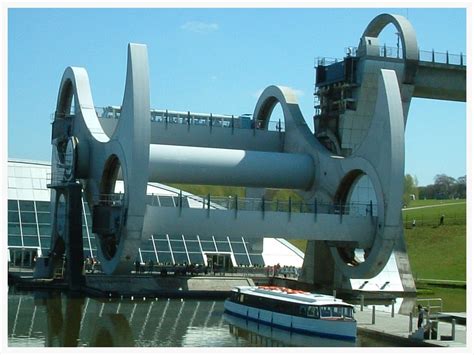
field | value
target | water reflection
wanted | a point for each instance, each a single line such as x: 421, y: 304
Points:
x: 58, y: 320
x: 264, y: 335
x: 55, y: 319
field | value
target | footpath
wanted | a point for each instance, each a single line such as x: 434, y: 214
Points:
x: 397, y: 328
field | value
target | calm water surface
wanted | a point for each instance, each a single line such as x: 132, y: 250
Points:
x: 53, y: 319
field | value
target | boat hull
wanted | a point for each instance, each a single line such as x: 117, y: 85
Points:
x: 334, y: 329
x: 257, y: 334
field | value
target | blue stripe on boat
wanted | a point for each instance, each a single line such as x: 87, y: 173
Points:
x: 296, y: 330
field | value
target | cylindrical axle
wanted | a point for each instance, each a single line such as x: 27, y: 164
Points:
x: 229, y: 167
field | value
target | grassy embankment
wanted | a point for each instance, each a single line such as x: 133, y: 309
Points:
x: 437, y: 251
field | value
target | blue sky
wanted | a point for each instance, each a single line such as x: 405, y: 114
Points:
x: 216, y: 60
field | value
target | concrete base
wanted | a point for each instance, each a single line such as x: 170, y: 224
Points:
x: 42, y: 269
x: 320, y: 271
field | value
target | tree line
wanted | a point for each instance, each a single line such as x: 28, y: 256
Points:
x: 444, y: 187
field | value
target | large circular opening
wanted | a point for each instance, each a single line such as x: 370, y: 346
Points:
x: 276, y: 120
x: 358, y: 198
x: 112, y: 169
x: 110, y: 208
x: 390, y: 42
x: 270, y: 115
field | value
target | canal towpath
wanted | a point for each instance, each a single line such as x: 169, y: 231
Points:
x: 381, y: 323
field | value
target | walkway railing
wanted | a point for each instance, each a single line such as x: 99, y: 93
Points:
x: 115, y: 199
x: 260, y: 204
x: 193, y: 119
x: 197, y: 119
x: 431, y: 304
x: 397, y: 53
x: 443, y: 57
x: 56, y: 178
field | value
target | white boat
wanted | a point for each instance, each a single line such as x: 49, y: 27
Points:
x: 259, y: 334
x: 294, y: 310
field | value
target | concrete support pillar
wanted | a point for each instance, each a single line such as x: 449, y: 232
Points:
x: 73, y: 236
x: 403, y: 264
x: 318, y: 265
x: 256, y: 245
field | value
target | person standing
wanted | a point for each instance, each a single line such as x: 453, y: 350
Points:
x: 421, y: 315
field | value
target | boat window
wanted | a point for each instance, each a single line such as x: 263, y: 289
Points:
x: 337, y: 311
x: 303, y: 310
x: 241, y: 299
x: 348, y: 312
x: 313, y: 312
x: 325, y: 311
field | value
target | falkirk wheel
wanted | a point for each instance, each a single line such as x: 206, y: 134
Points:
x: 317, y: 165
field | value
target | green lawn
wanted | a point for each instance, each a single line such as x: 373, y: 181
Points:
x: 437, y: 252
x: 418, y: 203
x: 224, y: 191
x: 434, y: 252
x: 300, y: 244
x: 428, y: 212
x: 454, y: 299
x: 203, y: 190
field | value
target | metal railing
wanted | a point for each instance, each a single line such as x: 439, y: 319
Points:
x: 236, y: 203
x: 57, y: 174
x: 197, y: 119
x: 443, y: 57
x: 325, y: 61
x: 397, y: 53
x: 115, y: 199
x: 430, y: 303
x: 194, y: 119
x: 56, y: 177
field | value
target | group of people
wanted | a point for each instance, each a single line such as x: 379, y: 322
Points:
x: 285, y: 271
x: 91, y: 264
x: 165, y: 269
x: 141, y: 268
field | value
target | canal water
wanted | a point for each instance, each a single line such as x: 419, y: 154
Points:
x: 53, y: 319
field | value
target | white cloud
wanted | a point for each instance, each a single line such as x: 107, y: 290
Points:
x: 200, y: 27
x: 298, y: 92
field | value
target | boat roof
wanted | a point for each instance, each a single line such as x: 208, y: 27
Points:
x: 291, y: 295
